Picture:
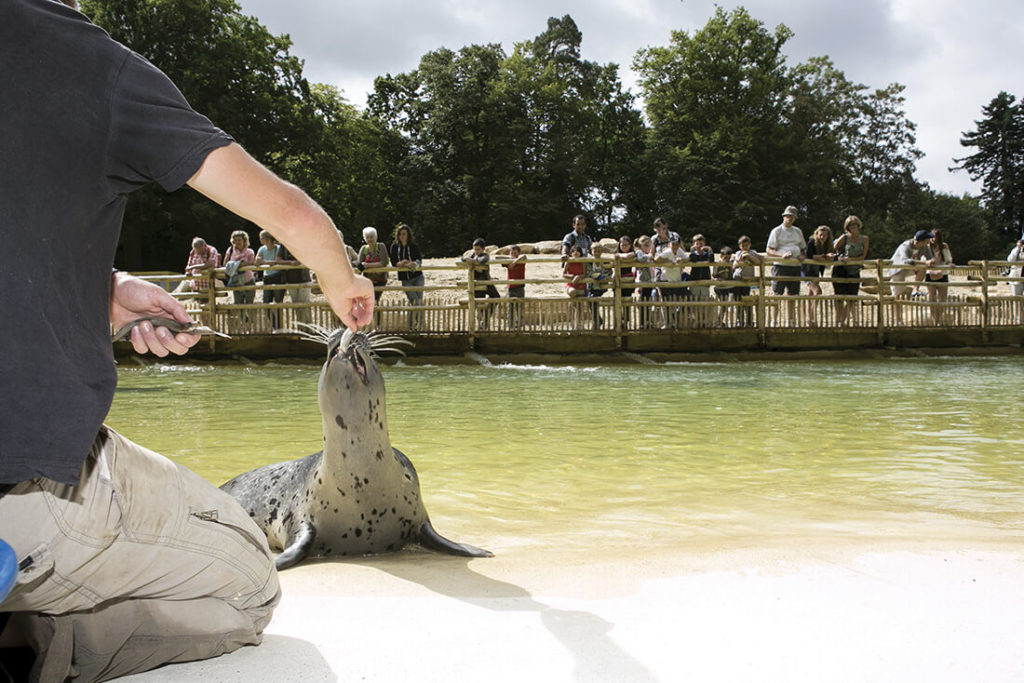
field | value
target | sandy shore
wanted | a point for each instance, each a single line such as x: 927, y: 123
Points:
x: 783, y: 613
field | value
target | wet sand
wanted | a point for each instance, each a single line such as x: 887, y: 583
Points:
x: 787, y: 611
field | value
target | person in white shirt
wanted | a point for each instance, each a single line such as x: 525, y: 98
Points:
x: 907, y: 254
x: 1017, y: 254
x: 671, y: 273
x: 786, y: 241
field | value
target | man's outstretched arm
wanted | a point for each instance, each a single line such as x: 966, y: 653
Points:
x: 236, y: 181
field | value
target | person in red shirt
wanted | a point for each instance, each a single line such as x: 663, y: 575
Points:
x: 576, y: 287
x: 201, y: 260
x: 515, y: 270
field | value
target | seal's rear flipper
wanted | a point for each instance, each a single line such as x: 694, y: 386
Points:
x: 430, y: 539
x: 299, y: 548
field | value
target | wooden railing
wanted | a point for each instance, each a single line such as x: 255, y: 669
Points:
x: 975, y: 297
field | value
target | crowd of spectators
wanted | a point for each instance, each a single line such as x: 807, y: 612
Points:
x: 656, y: 267
x: 663, y: 267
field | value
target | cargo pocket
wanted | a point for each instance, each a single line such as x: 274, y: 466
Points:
x: 238, y: 541
x: 36, y: 586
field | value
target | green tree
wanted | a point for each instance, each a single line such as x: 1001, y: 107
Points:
x: 446, y: 113
x: 347, y: 165
x: 851, y: 150
x: 965, y: 224
x: 736, y: 134
x: 509, y: 147
x: 999, y: 161
x: 578, y: 135
x: 715, y: 102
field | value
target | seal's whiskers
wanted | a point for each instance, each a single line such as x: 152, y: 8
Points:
x: 376, y: 343
x: 379, y: 343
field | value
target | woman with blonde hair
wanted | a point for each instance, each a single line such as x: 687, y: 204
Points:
x: 819, y: 252
x: 373, y: 254
x: 237, y: 256
x: 850, y: 246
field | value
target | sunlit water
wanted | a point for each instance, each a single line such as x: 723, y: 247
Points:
x: 643, y: 456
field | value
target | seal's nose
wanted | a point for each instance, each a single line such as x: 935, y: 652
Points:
x: 339, y: 342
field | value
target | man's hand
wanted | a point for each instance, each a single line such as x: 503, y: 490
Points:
x: 352, y: 302
x: 132, y: 298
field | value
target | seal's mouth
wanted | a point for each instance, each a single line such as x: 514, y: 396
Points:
x: 358, y: 363
x: 353, y: 347
x: 358, y: 348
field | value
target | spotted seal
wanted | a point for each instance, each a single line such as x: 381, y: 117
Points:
x: 358, y: 495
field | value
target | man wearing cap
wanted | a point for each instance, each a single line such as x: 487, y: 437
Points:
x: 907, y: 254
x: 786, y: 241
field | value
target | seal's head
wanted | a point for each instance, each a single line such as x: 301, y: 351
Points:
x: 350, y: 376
x: 353, y: 348
x: 350, y: 372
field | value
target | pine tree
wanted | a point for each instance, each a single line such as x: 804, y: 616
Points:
x: 999, y: 161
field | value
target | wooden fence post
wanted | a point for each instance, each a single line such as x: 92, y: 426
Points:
x: 878, y: 294
x: 762, y: 310
x: 985, y: 333
x: 617, y: 303
x: 471, y: 308
x: 211, y: 295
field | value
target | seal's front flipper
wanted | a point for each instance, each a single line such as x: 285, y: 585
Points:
x: 430, y: 539
x: 299, y: 548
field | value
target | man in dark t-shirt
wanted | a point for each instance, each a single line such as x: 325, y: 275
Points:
x: 577, y: 237
x: 108, y: 546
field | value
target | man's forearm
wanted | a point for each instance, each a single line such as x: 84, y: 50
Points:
x: 241, y: 184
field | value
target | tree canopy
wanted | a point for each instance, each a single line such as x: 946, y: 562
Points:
x: 510, y: 145
x: 999, y: 161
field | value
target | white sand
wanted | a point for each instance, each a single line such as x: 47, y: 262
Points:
x: 787, y: 613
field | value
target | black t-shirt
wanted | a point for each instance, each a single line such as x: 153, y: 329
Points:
x: 811, y: 268
x: 701, y: 273
x: 85, y: 121
x: 406, y: 252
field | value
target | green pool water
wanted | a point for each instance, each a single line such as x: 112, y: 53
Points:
x: 652, y: 456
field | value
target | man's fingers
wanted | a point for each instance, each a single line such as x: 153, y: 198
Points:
x: 161, y: 341
x: 182, y: 343
x: 138, y: 343
x: 363, y: 311
x: 144, y: 338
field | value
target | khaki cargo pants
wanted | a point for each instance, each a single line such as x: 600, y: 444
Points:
x: 140, y: 564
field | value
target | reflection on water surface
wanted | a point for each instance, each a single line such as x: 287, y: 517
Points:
x: 641, y: 455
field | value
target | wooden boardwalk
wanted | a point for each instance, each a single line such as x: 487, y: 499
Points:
x: 978, y: 312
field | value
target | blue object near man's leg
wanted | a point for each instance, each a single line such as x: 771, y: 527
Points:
x: 8, y: 569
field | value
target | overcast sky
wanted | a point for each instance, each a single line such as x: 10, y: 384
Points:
x: 954, y: 56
